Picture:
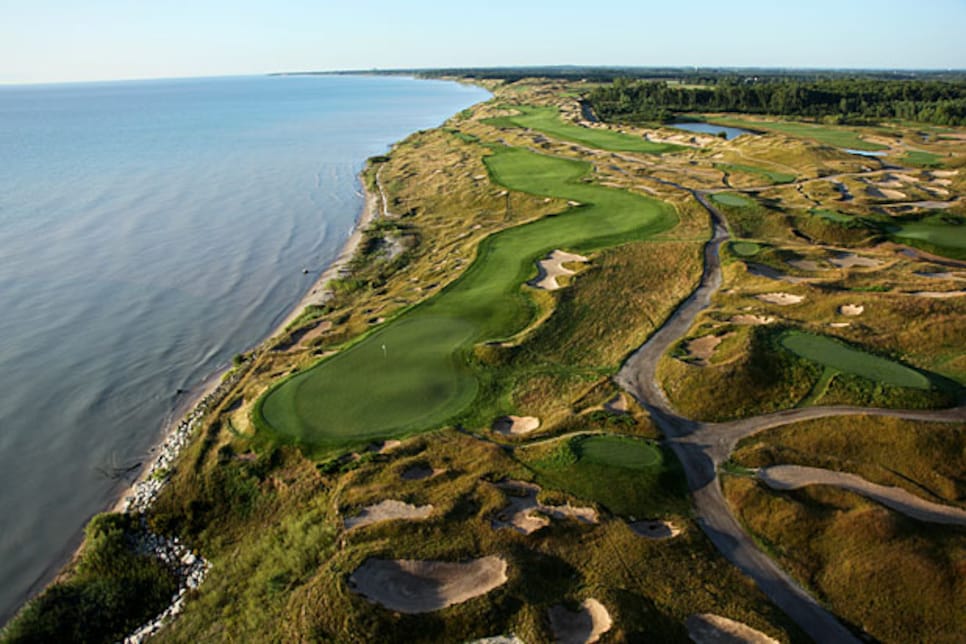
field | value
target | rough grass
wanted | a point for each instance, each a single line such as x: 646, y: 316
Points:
x: 839, y: 356
x: 421, y: 377
x: 901, y: 580
x: 922, y: 159
x: 548, y: 121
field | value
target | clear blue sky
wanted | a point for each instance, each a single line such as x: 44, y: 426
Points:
x: 69, y: 40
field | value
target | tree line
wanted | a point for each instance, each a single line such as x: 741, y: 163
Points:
x: 837, y: 100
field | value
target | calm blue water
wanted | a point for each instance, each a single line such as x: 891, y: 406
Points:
x: 148, y: 232
x: 711, y: 128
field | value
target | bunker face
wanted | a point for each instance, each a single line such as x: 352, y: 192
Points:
x: 412, y: 587
x: 583, y: 627
x: 516, y: 425
x: 388, y: 510
x: 714, y: 629
x: 837, y: 355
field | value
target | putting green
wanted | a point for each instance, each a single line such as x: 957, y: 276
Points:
x: 619, y: 451
x: 629, y: 476
x: 548, y: 121
x: 841, y: 357
x: 727, y: 199
x: 944, y: 234
x: 415, y: 372
x: 745, y: 248
x: 771, y: 175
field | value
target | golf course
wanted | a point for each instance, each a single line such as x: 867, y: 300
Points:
x: 418, y: 366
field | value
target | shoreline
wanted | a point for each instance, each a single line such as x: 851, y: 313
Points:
x: 195, y: 400
x: 194, y: 404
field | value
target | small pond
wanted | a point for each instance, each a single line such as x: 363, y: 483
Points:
x: 865, y: 153
x: 710, y: 128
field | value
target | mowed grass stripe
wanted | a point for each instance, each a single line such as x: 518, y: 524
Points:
x: 548, y: 121
x: 415, y: 372
x: 839, y: 356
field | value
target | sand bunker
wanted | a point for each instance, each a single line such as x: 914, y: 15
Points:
x: 583, y: 627
x: 409, y: 586
x: 703, y: 348
x: 388, y: 510
x: 938, y: 294
x: 782, y: 299
x: 848, y: 260
x: 839, y: 325
x: 752, y: 320
x: 706, y: 628
x: 524, y: 513
x: 792, y: 477
x: 552, y: 267
x: 515, y: 425
x: 804, y: 264
x: 656, y: 530
x: 851, y: 309
x: 885, y: 193
x: 945, y: 174
x: 617, y: 404
x: 498, y: 639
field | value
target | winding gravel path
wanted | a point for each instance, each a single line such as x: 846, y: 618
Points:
x: 792, y: 477
x: 703, y: 447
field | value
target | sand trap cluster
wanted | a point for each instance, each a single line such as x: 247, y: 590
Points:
x: 388, y: 510
x: 583, y: 627
x: 516, y: 425
x: 703, y: 348
x: 782, y: 299
x: 656, y: 530
x: 524, y: 513
x: 848, y: 260
x: 706, y: 628
x: 552, y: 267
x: 411, y: 586
x: 851, y: 309
x: 752, y: 320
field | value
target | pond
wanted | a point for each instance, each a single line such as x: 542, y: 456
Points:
x: 865, y: 153
x: 710, y: 128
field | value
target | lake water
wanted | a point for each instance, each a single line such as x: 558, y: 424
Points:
x: 711, y: 128
x: 149, y: 231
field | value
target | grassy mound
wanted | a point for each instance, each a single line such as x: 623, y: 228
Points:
x: 419, y: 367
x: 771, y: 175
x: 628, y: 476
x: 839, y: 356
x: 745, y: 249
x: 547, y: 120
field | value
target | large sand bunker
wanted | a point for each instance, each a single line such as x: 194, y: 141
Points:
x: 851, y: 309
x: 409, y: 586
x: 524, y: 513
x: 583, y: 627
x: 701, y: 349
x: 656, y: 530
x: 938, y: 294
x: 792, y: 477
x: 752, y: 320
x: 848, y: 260
x: 782, y: 299
x: 552, y: 267
x: 515, y: 425
x: 706, y: 628
x: 388, y: 510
